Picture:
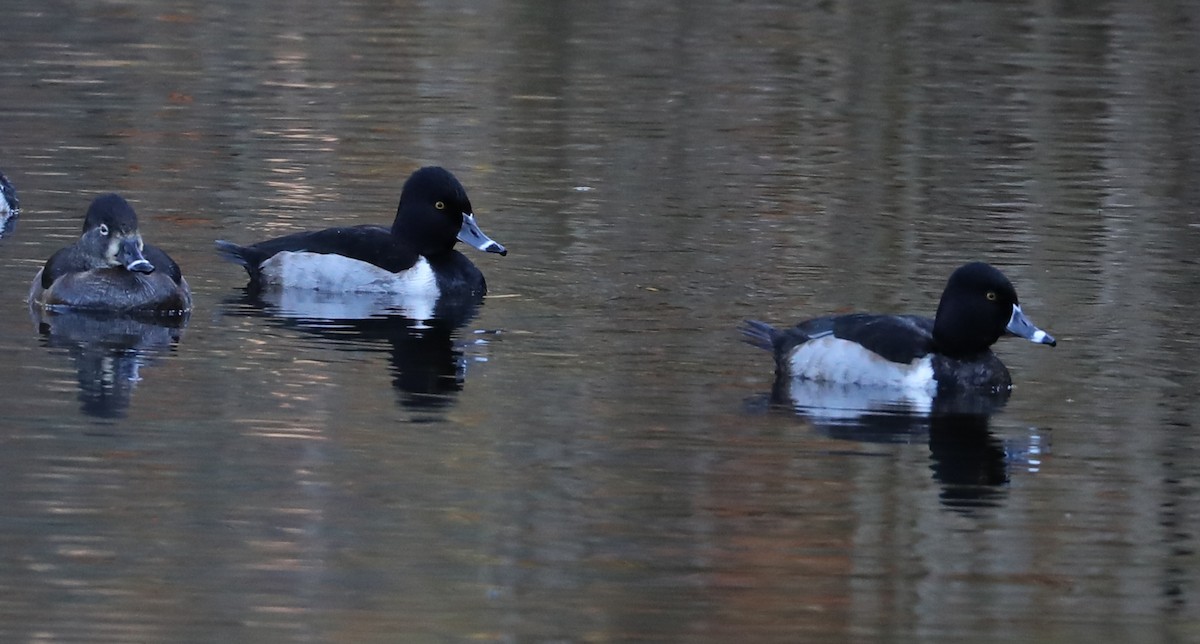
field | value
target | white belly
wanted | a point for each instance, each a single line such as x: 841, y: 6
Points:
x: 831, y: 359
x: 336, y: 273
x: 412, y: 292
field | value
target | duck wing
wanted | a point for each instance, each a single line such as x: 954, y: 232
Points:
x: 371, y: 244
x: 898, y: 338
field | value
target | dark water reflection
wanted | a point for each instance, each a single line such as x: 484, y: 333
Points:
x: 659, y: 172
x: 109, y: 352
x: 967, y: 460
x: 427, y: 359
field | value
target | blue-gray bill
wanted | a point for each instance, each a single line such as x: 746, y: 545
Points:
x: 472, y: 235
x: 131, y: 256
x: 1022, y: 327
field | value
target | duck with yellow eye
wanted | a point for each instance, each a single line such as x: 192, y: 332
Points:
x: 111, y: 269
x: 413, y: 265
x: 950, y: 352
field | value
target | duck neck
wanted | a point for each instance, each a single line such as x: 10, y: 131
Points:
x: 419, y: 242
x: 960, y: 334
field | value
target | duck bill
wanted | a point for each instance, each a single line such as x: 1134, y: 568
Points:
x: 471, y: 234
x: 130, y: 256
x: 1022, y: 327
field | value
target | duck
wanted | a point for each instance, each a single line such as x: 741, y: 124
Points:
x: 111, y: 269
x: 415, y: 256
x: 10, y: 206
x: 949, y: 353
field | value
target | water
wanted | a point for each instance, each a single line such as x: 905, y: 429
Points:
x: 593, y: 454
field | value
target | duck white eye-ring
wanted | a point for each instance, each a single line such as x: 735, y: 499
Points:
x: 440, y: 205
x: 991, y: 295
x: 104, y: 229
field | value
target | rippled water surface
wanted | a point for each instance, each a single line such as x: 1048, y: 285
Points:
x: 593, y: 454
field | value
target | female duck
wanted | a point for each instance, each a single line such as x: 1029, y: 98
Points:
x: 111, y: 269
x: 951, y: 352
x: 416, y: 257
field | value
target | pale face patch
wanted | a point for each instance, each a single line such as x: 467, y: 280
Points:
x: 110, y: 252
x: 413, y: 292
x: 831, y: 359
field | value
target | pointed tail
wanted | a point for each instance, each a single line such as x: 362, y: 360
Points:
x: 759, y: 334
x: 231, y: 252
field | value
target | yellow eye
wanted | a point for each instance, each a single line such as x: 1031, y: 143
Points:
x: 441, y: 205
x: 991, y: 295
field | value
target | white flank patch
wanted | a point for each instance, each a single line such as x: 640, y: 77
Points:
x: 831, y: 359
x: 340, y: 274
x: 412, y: 292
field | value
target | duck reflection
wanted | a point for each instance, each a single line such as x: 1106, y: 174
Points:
x: 109, y: 351
x: 428, y: 366
x: 7, y: 226
x: 966, y: 459
x: 10, y: 206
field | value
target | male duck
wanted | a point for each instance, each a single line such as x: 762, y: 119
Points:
x: 415, y: 257
x: 951, y: 352
x: 110, y: 269
x: 10, y: 206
